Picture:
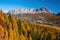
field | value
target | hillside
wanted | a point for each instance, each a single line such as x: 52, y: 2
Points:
x: 43, y: 18
x: 12, y: 28
x: 40, y: 15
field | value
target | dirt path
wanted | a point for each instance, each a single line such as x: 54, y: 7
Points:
x: 58, y: 28
x: 50, y: 26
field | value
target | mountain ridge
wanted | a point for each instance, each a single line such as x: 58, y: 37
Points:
x: 30, y: 11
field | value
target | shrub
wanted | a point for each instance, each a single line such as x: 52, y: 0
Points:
x: 49, y: 36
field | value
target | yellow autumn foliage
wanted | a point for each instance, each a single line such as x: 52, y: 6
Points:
x: 23, y: 30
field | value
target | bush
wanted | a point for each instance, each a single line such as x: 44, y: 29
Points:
x: 10, y: 17
x: 19, y: 26
x: 44, y: 37
x: 49, y: 36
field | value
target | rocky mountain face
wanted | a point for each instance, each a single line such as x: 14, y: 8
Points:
x: 21, y: 11
x: 40, y: 10
x: 29, y: 11
x: 41, y: 15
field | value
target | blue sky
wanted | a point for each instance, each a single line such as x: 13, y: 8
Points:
x: 53, y: 5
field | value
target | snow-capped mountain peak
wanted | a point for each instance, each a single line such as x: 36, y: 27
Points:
x: 30, y: 11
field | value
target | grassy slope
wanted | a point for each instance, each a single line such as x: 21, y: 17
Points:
x: 15, y: 29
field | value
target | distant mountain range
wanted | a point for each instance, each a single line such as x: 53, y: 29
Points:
x: 40, y: 15
x: 29, y: 11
